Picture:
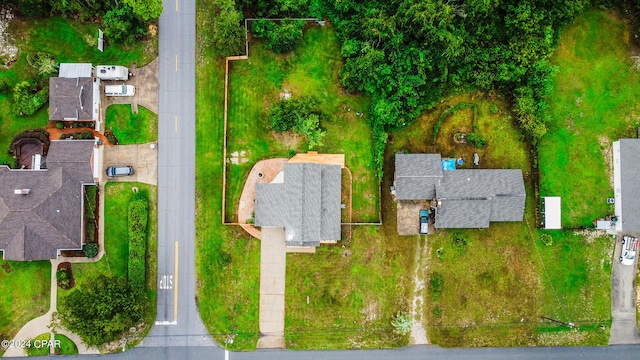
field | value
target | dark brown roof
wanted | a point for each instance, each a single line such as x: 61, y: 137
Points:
x: 50, y: 217
x: 70, y: 98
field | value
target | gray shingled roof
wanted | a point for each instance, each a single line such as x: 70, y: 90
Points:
x: 417, y: 175
x: 50, y: 217
x: 70, y: 98
x: 306, y: 204
x: 468, y: 198
x: 630, y: 184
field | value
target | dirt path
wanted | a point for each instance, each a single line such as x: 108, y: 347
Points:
x: 418, y: 333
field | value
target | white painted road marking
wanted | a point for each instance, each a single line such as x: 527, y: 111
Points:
x: 176, y: 62
x: 226, y: 355
x: 175, y: 289
x: 176, y: 124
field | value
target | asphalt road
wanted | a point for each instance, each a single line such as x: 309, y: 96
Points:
x: 177, y: 320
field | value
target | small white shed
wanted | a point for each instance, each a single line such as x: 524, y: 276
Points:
x: 552, y: 212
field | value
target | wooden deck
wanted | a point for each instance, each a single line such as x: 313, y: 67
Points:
x: 314, y: 157
x: 27, y: 149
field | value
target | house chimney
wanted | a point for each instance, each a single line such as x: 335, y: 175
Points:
x: 21, y: 191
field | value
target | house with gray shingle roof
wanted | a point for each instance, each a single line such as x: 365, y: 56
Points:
x: 626, y: 175
x: 42, y: 211
x: 75, y: 94
x: 306, y: 204
x: 462, y: 198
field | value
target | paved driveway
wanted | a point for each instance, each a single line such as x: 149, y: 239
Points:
x: 273, y: 265
x: 142, y: 157
x: 623, y: 302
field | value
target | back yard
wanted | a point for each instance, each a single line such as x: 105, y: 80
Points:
x: 312, y: 70
x: 593, y: 103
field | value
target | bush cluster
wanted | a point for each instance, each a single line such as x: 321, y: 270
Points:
x: 280, y: 37
x: 299, y: 115
x: 137, y: 223
x: 28, y: 98
x: 63, y: 278
x: 90, y: 250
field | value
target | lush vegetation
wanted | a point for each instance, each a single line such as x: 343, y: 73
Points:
x: 113, y: 264
x: 104, y: 309
x: 39, y: 350
x: 25, y: 295
x: 137, y: 222
x: 593, y: 103
x: 300, y: 116
x: 280, y: 37
x: 130, y: 128
x: 123, y: 22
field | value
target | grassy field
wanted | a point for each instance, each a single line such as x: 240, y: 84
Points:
x: 24, y: 296
x: 593, y: 103
x: 69, y: 41
x: 312, y: 70
x: 132, y: 128
x: 114, y: 263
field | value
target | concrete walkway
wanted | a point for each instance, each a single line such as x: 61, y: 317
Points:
x: 42, y: 324
x: 624, y: 329
x: 273, y: 264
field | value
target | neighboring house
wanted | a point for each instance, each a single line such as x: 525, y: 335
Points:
x: 75, y: 94
x: 460, y: 198
x: 626, y: 175
x: 306, y: 203
x: 42, y: 211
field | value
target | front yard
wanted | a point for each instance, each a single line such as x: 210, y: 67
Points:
x: 130, y: 128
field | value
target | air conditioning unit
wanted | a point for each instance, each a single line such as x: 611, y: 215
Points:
x: 21, y: 191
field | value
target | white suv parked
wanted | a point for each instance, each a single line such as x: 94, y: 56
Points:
x: 629, y: 249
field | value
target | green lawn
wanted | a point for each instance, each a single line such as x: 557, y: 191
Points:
x: 227, y: 259
x: 69, y: 41
x: 255, y: 84
x: 39, y: 350
x: 132, y: 128
x: 67, y: 346
x: 114, y: 263
x: 24, y: 296
x: 593, y: 103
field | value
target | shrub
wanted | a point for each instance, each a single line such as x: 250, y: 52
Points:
x: 281, y: 38
x: 137, y: 223
x: 122, y: 25
x: 476, y: 139
x: 90, y: 201
x: 83, y: 135
x: 90, y: 232
x: 90, y: 250
x: 546, y: 239
x: 5, y: 87
x: 59, y: 125
x: 401, y: 323
x: 436, y: 284
x: 299, y: 115
x: 63, y: 278
x: 27, y: 98
x: 493, y: 108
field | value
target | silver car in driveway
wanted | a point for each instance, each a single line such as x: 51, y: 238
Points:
x: 629, y: 249
x: 113, y: 171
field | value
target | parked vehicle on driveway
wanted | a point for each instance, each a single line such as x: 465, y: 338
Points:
x: 113, y: 171
x: 119, y: 90
x: 424, y: 221
x: 112, y: 72
x: 629, y: 250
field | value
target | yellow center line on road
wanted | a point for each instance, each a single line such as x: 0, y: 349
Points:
x: 176, y: 124
x: 175, y: 288
x: 176, y: 62
x: 176, y: 5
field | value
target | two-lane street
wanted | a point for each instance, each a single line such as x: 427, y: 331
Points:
x: 177, y: 321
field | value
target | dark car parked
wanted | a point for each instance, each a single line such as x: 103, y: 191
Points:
x: 119, y: 171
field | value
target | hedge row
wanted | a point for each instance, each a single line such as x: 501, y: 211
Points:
x: 137, y: 223
x: 28, y: 98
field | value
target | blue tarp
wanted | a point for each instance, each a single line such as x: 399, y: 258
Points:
x: 449, y: 164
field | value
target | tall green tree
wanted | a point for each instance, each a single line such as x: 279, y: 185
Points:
x: 146, y: 9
